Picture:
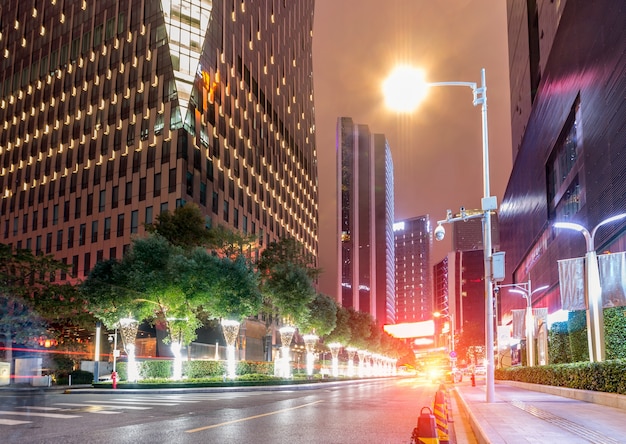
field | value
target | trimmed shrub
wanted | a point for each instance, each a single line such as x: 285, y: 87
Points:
x: 203, y: 369
x: 577, y: 328
x: 607, y: 376
x: 156, y: 369
x: 255, y: 367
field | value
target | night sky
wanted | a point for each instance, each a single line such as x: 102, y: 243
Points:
x: 437, y: 150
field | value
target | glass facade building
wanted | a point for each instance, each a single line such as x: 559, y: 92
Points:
x: 366, y: 211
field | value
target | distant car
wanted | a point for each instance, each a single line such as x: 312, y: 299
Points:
x: 480, y: 371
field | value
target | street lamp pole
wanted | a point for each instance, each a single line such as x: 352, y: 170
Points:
x: 400, y: 89
x: 525, y: 289
x: 595, y: 315
x: 488, y: 204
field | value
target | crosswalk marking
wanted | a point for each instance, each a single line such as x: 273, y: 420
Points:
x: 130, y: 407
x: 44, y: 415
x: 125, y: 402
x: 110, y: 406
x: 151, y: 400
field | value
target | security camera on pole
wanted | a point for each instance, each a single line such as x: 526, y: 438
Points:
x: 404, y: 89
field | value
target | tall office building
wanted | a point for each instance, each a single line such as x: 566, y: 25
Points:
x: 568, y: 116
x: 365, y: 209
x: 413, y: 276
x: 114, y: 111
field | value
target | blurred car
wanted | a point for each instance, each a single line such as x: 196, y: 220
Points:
x: 445, y: 374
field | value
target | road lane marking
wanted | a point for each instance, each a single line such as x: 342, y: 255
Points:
x: 13, y: 422
x: 124, y: 402
x: 199, y: 429
x: 151, y: 400
x: 44, y: 415
x: 37, y: 407
x: 130, y: 407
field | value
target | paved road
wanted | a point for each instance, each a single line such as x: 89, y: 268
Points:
x: 378, y: 412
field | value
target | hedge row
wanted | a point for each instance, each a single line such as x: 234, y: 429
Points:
x: 607, y: 376
x: 160, y: 369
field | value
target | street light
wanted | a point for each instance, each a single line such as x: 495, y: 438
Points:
x: 403, y: 90
x: 595, y: 315
x: 525, y: 289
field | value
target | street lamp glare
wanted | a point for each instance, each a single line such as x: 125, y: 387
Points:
x: 570, y: 226
x: 405, y: 88
x: 525, y: 293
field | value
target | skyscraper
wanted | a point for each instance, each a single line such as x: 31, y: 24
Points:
x: 114, y: 111
x: 413, y: 276
x: 365, y: 209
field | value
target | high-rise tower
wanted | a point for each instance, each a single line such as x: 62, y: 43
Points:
x: 114, y: 111
x: 365, y: 201
x: 413, y: 275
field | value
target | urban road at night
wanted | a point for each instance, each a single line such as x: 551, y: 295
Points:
x: 376, y: 411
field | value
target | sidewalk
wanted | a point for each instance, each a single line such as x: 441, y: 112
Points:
x: 519, y: 415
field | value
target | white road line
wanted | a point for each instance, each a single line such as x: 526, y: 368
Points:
x: 130, y: 402
x: 106, y: 412
x: 129, y: 407
x: 151, y: 400
x: 13, y: 422
x: 37, y: 407
x: 44, y: 415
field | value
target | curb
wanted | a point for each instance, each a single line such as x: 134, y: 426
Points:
x: 479, y: 433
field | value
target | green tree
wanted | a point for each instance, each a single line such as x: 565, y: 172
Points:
x: 160, y: 282
x: 287, y: 275
x: 360, y: 329
x: 185, y: 227
x: 34, y: 303
x: 230, y: 243
x: 342, y: 333
x: 323, y: 318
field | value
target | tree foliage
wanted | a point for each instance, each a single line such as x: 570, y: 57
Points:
x: 33, y: 302
x: 159, y: 281
x: 342, y: 333
x: 185, y: 227
x: 323, y: 316
x: 287, y: 280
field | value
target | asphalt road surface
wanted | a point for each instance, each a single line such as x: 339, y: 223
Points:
x: 380, y: 411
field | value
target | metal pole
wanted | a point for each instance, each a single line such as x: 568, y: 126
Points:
x: 596, y: 315
x: 486, y: 206
x: 115, y: 349
x: 96, y: 357
x: 530, y: 326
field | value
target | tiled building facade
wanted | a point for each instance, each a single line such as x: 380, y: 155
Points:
x: 114, y: 111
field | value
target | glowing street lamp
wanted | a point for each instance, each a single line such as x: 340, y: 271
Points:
x: 403, y: 90
x: 595, y: 315
x: 525, y: 289
x: 309, y: 343
x: 231, y: 330
x: 334, y: 351
x: 128, y: 329
x: 286, y: 335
